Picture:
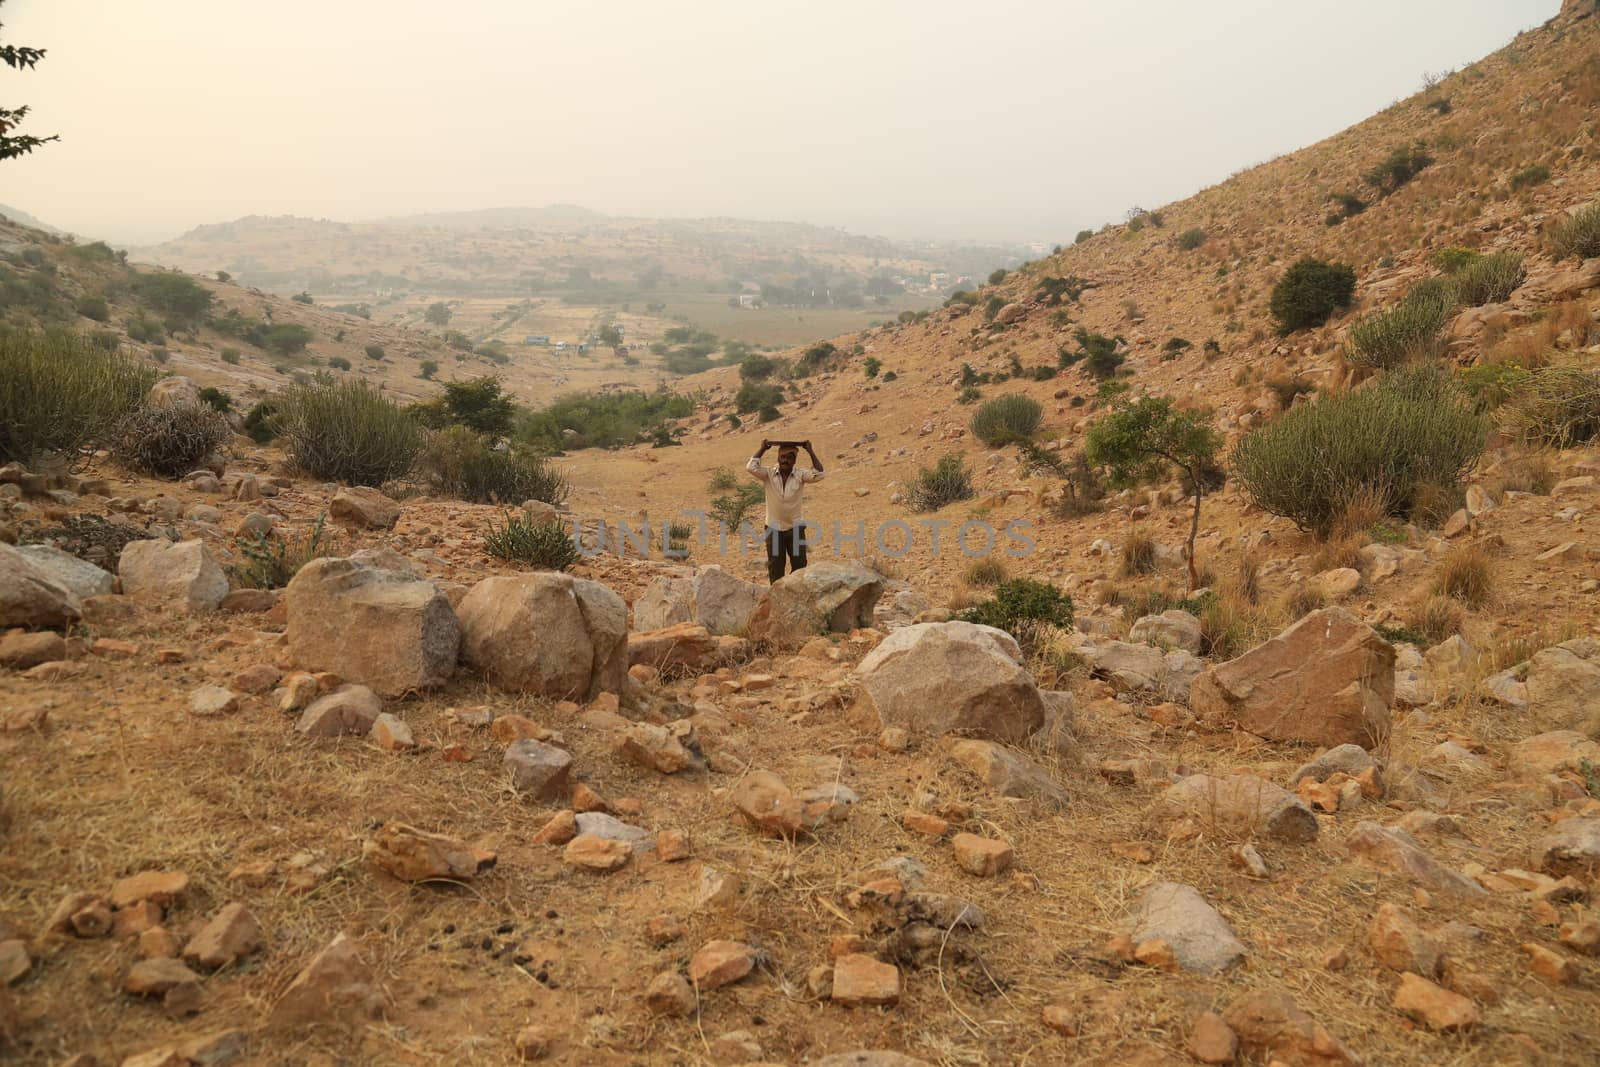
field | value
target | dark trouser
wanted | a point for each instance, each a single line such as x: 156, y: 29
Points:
x: 782, y: 543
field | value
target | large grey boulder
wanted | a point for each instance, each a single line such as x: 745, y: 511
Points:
x: 1564, y: 687
x: 1170, y: 629
x: 181, y: 576
x: 385, y: 629
x: 29, y: 598
x: 828, y: 597
x: 1201, y: 939
x: 562, y: 637
x: 709, y: 596
x: 79, y: 577
x: 959, y: 678
x: 1327, y: 680
x: 1241, y: 805
x: 1132, y: 667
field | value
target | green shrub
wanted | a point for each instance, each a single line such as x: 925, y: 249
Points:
x: 970, y: 394
x: 1191, y: 239
x: 946, y: 482
x: 890, y: 376
x: 1006, y: 419
x: 1022, y: 607
x: 1493, y: 384
x: 757, y: 368
x: 541, y: 544
x: 462, y: 464
x: 1489, y: 279
x: 60, y: 391
x: 1412, y: 329
x: 375, y: 352
x: 1557, y: 406
x: 268, y: 561
x: 146, y: 330
x: 338, y: 363
x: 1398, y: 168
x: 598, y: 420
x: 230, y: 355
x: 1083, y: 235
x: 260, y: 424
x: 216, y: 399
x: 1056, y: 290
x: 769, y: 413
x: 346, y: 431
x: 998, y: 275
x: 815, y: 358
x: 723, y: 479
x: 872, y: 366
x: 1309, y: 292
x: 93, y: 306
x: 1412, y: 427
x: 1176, y: 346
x: 169, y: 442
x: 1577, y: 235
x: 427, y: 369
x: 172, y: 294
x: 285, y: 338
x: 1537, y: 174
x: 986, y: 572
x: 160, y: 354
x: 1452, y: 259
x: 1099, y: 353
x: 753, y: 396
x: 734, y: 506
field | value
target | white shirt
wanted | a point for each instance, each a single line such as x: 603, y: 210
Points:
x: 783, y: 494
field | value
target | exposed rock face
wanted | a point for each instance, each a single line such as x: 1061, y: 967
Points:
x: 710, y: 597
x: 1131, y: 667
x: 1326, y: 680
x: 1170, y: 629
x: 28, y: 597
x: 561, y: 637
x: 828, y: 597
x: 78, y: 577
x: 385, y: 629
x: 180, y: 577
x: 681, y: 644
x: 1007, y: 771
x: 1200, y: 938
x: 362, y: 508
x: 1242, y: 805
x: 1564, y: 686
x: 941, y: 678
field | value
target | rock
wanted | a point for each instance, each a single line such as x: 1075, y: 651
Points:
x: 385, y: 629
x: 860, y: 979
x: 1010, y: 313
x: 869, y: 1058
x: 1241, y: 805
x: 1339, y: 582
x: 660, y: 749
x: 19, y: 651
x: 767, y: 804
x: 349, y: 709
x: 1564, y: 686
x: 1435, y: 1007
x: 1271, y: 1023
x: 1170, y: 629
x: 1506, y: 689
x: 711, y: 597
x: 686, y: 644
x: 1136, y: 668
x: 1399, y: 944
x: 157, y: 942
x: 933, y: 679
x: 391, y: 734
x: 596, y: 853
x: 1211, y: 1040
x: 610, y: 828
x: 1551, y: 753
x: 670, y: 994
x: 335, y: 987
x: 1326, y: 680
x: 231, y: 934
x: 1582, y: 936
x: 15, y: 962
x: 78, y: 577
x: 180, y: 577
x: 1572, y: 847
x: 547, y: 633
x: 1007, y: 771
x: 156, y: 977
x: 363, y: 508
x: 1549, y: 964
x: 158, y: 887
x: 1348, y: 759
x: 29, y: 598
x: 827, y: 597
x: 981, y: 856
x: 717, y: 963
x: 414, y: 855
x: 558, y: 830
x: 174, y: 391
x: 1395, y: 850
x: 249, y: 601
x: 1200, y: 938
x: 213, y: 700
x: 538, y: 769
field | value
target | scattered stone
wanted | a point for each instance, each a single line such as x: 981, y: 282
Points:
x: 1564, y: 686
x: 1242, y: 805
x: 157, y: 943
x: 1434, y: 1007
x: 1248, y: 859
x: 1170, y: 629
x: 1395, y: 850
x: 672, y: 846
x: 158, y: 887
x: 1582, y: 936
x: 232, y: 934
x: 20, y: 651
x: 29, y: 598
x: 211, y: 700
x: 766, y: 804
x: 860, y: 979
x: 386, y: 629
x: 1200, y: 938
x: 959, y: 678
x: 14, y: 961
x: 414, y: 855
x: 336, y: 986
x: 182, y: 577
x: 156, y: 977
x: 363, y: 508
x: 538, y: 769
x: 1272, y: 1023
x: 922, y: 822
x: 686, y: 644
x: 596, y: 853
x: 670, y: 994
x: 832, y: 596
x: 391, y: 734
x: 1549, y: 964
x: 1399, y: 944
x: 717, y: 963
x: 348, y: 710
x: 1211, y: 1040
x: 1062, y: 1018
x: 981, y: 856
x: 1326, y: 680
x: 660, y: 749
x: 717, y: 888
x: 561, y: 828
x: 1008, y: 772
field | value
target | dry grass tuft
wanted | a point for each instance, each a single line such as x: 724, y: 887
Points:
x: 1436, y: 618
x: 1467, y: 575
x: 1138, y: 556
x: 985, y: 573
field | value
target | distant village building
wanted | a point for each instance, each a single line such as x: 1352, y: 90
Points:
x: 749, y: 300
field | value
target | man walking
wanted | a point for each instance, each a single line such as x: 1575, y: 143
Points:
x: 784, y: 488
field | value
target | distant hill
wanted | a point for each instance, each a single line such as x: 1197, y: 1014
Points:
x: 500, y: 218
x: 22, y: 218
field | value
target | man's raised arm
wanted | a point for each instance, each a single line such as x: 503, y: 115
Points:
x: 754, y: 466
x: 816, y: 464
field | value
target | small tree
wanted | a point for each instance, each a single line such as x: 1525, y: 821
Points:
x: 427, y: 369
x: 1139, y: 439
x: 438, y: 313
x: 18, y: 57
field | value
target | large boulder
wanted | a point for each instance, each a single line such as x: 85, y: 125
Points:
x: 79, y: 577
x: 709, y: 597
x: 363, y: 508
x: 174, y: 392
x: 1174, y: 628
x: 1201, y: 939
x: 1326, y: 680
x: 685, y: 644
x: 181, y: 576
x: 939, y: 678
x: 562, y: 637
x: 28, y: 597
x: 1241, y: 805
x: 1564, y: 687
x: 388, y: 630
x: 1132, y: 667
x: 829, y: 597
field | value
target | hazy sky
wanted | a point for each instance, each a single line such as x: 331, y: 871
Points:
x: 998, y: 120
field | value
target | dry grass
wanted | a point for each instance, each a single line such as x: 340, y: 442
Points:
x: 1532, y: 471
x: 1436, y: 618
x: 1138, y: 556
x: 985, y: 573
x: 1467, y: 575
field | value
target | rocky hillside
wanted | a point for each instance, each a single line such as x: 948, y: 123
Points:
x: 299, y: 773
